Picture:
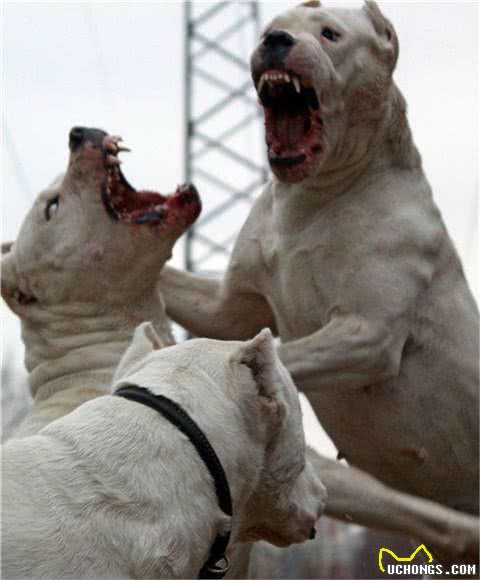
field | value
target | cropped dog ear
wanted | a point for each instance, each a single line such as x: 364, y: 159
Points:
x: 259, y: 355
x: 9, y: 276
x: 17, y: 300
x: 386, y: 32
x: 145, y: 340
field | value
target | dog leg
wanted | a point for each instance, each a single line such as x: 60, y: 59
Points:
x: 207, y: 306
x: 356, y: 497
x: 348, y: 352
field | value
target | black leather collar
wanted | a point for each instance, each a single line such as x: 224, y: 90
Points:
x: 217, y: 563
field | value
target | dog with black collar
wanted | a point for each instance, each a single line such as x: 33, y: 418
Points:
x: 120, y: 489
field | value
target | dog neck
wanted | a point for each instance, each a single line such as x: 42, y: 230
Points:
x: 170, y: 483
x: 370, y: 147
x: 241, y: 461
x: 240, y: 453
x: 75, y: 348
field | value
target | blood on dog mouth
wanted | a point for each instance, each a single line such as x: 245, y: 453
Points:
x: 293, y: 119
x: 124, y: 203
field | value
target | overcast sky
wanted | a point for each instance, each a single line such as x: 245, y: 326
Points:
x: 119, y: 66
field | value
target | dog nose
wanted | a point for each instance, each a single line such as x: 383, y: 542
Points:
x: 279, y: 40
x: 76, y: 137
x: 80, y: 135
x: 188, y: 193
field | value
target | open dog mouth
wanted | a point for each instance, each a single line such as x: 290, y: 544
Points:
x: 126, y: 204
x: 293, y: 118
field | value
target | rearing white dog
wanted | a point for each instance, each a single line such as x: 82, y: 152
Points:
x: 346, y: 255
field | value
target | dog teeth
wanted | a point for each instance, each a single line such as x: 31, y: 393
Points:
x: 114, y: 147
x: 278, y: 77
x: 112, y: 160
x: 261, y: 83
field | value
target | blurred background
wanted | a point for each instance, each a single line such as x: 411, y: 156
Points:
x: 138, y: 70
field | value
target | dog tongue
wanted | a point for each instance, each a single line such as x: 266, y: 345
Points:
x: 290, y: 129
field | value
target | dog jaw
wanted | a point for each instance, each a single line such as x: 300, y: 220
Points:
x: 94, y: 160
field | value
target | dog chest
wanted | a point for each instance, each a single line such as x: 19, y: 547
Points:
x: 304, y: 277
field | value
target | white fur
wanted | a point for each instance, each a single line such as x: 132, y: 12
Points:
x: 353, y: 266
x: 92, y: 281
x: 115, y: 490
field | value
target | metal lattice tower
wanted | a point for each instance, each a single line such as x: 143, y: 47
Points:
x: 224, y: 150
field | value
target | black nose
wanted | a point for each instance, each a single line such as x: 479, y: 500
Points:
x: 76, y: 137
x: 80, y: 135
x: 313, y: 533
x: 276, y: 46
x: 278, y: 40
x: 188, y: 193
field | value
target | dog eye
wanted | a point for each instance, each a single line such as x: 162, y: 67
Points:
x: 330, y: 34
x: 51, y: 207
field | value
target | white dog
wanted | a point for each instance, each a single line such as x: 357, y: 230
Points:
x: 114, y: 490
x: 83, y: 273
x: 345, y: 254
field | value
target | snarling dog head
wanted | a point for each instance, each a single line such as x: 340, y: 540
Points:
x: 322, y: 76
x: 91, y: 236
x: 246, y: 402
